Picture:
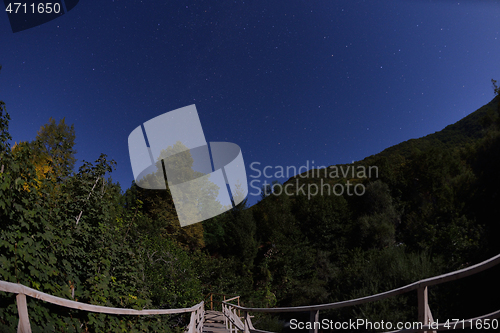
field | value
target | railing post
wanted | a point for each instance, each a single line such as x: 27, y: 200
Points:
x: 211, y: 302
x: 192, y: 323
x: 231, y: 326
x: 422, y: 302
x: 424, y: 312
x: 199, y: 322
x: 22, y: 309
x: 314, y: 318
x: 224, y: 312
x: 246, y: 328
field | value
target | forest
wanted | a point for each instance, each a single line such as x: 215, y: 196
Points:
x: 75, y: 234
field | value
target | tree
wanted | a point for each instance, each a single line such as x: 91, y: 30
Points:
x: 57, y: 142
x: 196, y: 196
x: 4, y: 134
x: 496, y: 89
x: 376, y: 224
x: 52, y: 152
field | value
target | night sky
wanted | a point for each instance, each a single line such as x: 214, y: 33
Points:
x: 290, y: 82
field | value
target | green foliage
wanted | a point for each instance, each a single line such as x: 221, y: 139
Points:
x: 76, y: 236
x: 376, y: 225
x: 324, y: 220
x: 81, y: 243
x: 178, y: 163
x: 168, y: 275
x: 56, y: 144
x: 372, y: 272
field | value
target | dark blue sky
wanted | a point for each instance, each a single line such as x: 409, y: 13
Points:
x: 290, y: 82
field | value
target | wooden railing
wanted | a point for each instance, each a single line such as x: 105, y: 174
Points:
x: 424, y: 313
x: 232, y: 317
x: 234, y: 320
x: 195, y: 324
x: 214, y: 300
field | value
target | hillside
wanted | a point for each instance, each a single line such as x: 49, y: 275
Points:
x: 466, y: 130
x: 428, y: 210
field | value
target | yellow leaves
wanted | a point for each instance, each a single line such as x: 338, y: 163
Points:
x: 42, y: 164
x: 194, y: 235
x: 43, y: 169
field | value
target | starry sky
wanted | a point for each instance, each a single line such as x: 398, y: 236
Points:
x: 293, y: 83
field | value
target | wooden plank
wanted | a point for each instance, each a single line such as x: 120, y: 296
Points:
x: 422, y: 297
x: 24, y: 320
x: 246, y: 318
x: 20, y: 289
x: 356, y: 301
x: 429, y: 316
x: 232, y: 299
x: 214, y: 322
x: 394, y: 292
x: 314, y: 318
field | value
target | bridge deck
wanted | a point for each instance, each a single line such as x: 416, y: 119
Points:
x: 214, y: 322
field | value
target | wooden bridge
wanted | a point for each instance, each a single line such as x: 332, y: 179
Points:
x: 215, y: 322
x: 235, y: 317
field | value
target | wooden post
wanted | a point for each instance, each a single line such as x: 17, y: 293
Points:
x: 196, y: 321
x: 211, y: 302
x: 314, y: 318
x: 246, y: 328
x: 424, y: 312
x: 192, y: 323
x: 422, y: 302
x: 201, y: 317
x: 230, y: 326
x: 22, y: 309
x: 224, y: 312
